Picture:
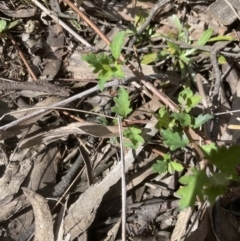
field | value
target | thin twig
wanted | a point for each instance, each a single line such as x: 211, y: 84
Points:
x: 39, y: 86
x: 60, y: 22
x: 22, y: 57
x: 218, y: 81
x: 124, y: 192
x: 88, y: 21
x: 60, y: 108
x: 59, y: 104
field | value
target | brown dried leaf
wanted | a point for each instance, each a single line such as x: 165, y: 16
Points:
x: 83, y: 128
x: 42, y: 214
x: 21, y: 13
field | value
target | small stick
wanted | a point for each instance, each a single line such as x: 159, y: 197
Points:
x: 22, y: 56
x: 60, y: 22
x: 124, y: 192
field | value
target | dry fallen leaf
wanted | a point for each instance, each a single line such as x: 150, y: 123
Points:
x: 42, y: 214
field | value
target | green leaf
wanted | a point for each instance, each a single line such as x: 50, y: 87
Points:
x: 173, y: 139
x: 194, y: 100
x: 207, y: 149
x: 221, y: 38
x: 13, y: 24
x: 167, y: 157
x: 213, y: 192
x: 222, y: 59
x: 98, y: 62
x: 164, y: 118
x: 204, y: 38
x: 3, y: 25
x: 225, y: 159
x: 183, y: 118
x: 160, y: 166
x: 118, y: 72
x: 117, y: 44
x: 185, y: 59
x: 173, y: 48
x: 201, y: 119
x: 217, y: 185
x: 122, y: 103
x: 104, y: 66
x: 193, y: 187
x: 187, y: 100
x: 218, y: 180
x: 133, y: 134
x: 177, y: 23
x: 175, y: 166
x: 149, y: 58
x: 104, y: 76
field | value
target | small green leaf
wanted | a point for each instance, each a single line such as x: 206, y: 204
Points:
x: 133, y: 134
x: 204, y: 38
x: 3, y: 25
x: 221, y: 38
x: 187, y: 100
x: 160, y: 166
x: 149, y: 58
x: 104, y: 66
x: 177, y: 23
x: 216, y: 186
x: 183, y: 118
x: 185, y: 59
x: 98, y: 62
x: 194, y: 101
x: 76, y: 24
x: 13, y: 24
x: 207, y: 149
x: 213, y: 192
x: 173, y: 48
x: 164, y: 118
x: 118, y: 72
x: 122, y: 103
x: 201, y: 119
x: 222, y: 60
x: 175, y: 166
x: 174, y: 140
x: 103, y: 76
x: 117, y: 44
x: 167, y: 157
x: 193, y: 187
x: 225, y: 159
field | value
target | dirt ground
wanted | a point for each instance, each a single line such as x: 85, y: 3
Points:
x: 64, y: 143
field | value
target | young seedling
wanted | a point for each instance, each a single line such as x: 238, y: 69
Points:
x: 107, y: 66
x: 181, y: 57
x: 132, y: 135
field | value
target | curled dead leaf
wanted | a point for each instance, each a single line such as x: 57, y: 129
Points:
x: 42, y: 214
